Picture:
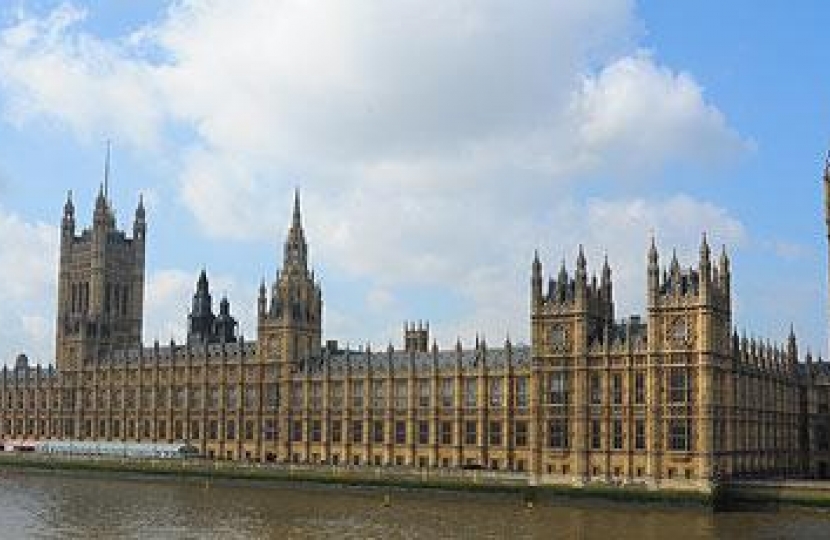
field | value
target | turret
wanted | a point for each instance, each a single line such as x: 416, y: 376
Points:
x: 68, y: 224
x: 724, y: 272
x: 792, y: 349
x: 416, y: 338
x: 140, y: 221
x: 653, y: 272
x: 605, y: 280
x: 705, y: 267
x: 262, y: 301
x: 536, y: 279
x: 225, y: 325
x: 581, y: 268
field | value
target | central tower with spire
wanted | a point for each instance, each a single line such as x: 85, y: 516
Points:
x: 100, y: 283
x: 290, y: 317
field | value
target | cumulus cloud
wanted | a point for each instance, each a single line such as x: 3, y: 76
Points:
x: 28, y: 263
x: 437, y: 143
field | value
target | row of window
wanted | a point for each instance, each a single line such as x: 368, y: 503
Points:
x: 557, y: 388
x: 179, y: 397
x: 558, y: 432
x: 495, y: 435
x: 378, y: 393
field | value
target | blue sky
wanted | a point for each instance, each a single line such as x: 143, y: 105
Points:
x: 436, y: 146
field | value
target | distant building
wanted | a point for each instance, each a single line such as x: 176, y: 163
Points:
x: 673, y: 399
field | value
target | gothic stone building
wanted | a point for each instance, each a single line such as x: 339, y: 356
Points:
x: 674, y: 399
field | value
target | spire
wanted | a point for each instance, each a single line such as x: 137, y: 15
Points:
x: 296, y: 250
x: 705, y: 252
x: 563, y: 273
x: 101, y: 200
x: 202, y: 285
x: 652, y: 252
x: 69, y: 207
x: 606, y: 272
x: 536, y: 277
x: 140, y: 212
x: 581, y: 264
x: 724, y: 261
x: 105, y: 187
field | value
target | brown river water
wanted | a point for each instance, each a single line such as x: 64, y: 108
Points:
x: 46, y: 505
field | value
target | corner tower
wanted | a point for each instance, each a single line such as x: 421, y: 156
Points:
x: 574, y: 313
x: 290, y: 320
x: 100, y: 285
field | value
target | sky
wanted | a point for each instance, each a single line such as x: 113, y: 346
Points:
x: 436, y: 145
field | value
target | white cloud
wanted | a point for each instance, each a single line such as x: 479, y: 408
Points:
x: 28, y: 270
x: 436, y: 143
x: 49, y: 71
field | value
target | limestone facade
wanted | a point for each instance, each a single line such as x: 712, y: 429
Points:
x: 676, y: 398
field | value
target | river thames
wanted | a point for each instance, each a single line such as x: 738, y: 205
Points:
x: 44, y: 505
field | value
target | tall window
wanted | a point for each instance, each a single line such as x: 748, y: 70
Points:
x: 558, y: 388
x: 520, y: 433
x: 357, y: 394
x: 423, y: 432
x: 496, y: 396
x: 446, y: 432
x: 316, y: 430
x: 377, y: 431
x: 678, y: 386
x: 297, y: 394
x: 617, y: 435
x: 679, y: 434
x: 336, y: 431
x: 639, y: 434
x: 596, y: 435
x: 596, y: 389
x: 470, y: 392
x: 494, y: 433
x: 617, y: 389
x: 378, y: 394
x: 357, y: 431
x: 470, y: 432
x: 317, y: 394
x: 521, y: 391
x: 213, y: 396
x: 447, y: 391
x: 272, y: 395
x: 251, y: 397
x: 424, y: 392
x: 337, y: 394
x: 400, y: 432
x: 401, y: 394
x: 558, y: 433
x: 639, y: 388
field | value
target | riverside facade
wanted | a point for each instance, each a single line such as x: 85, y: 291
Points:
x: 672, y: 399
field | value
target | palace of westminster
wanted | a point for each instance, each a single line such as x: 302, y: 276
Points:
x: 673, y: 399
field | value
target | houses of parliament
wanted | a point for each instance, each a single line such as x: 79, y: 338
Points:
x: 675, y: 398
